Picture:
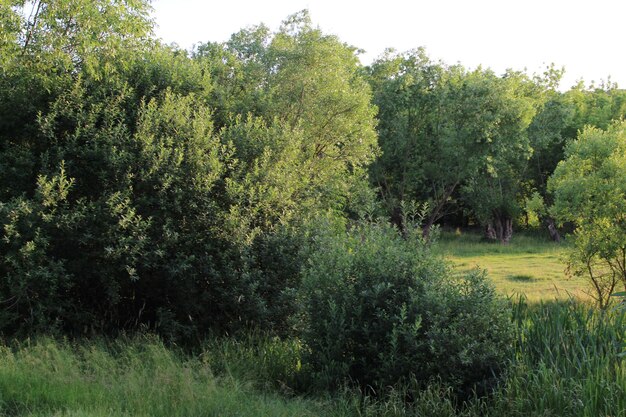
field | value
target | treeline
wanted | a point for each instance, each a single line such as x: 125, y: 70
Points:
x: 241, y: 185
x: 479, y: 148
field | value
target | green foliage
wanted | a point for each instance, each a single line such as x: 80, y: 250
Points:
x: 567, y: 363
x: 33, y: 282
x: 559, y: 119
x: 444, y: 129
x: 141, y: 187
x: 140, y: 377
x: 547, y: 134
x: 122, y: 202
x: 535, y: 208
x: 381, y: 310
x: 305, y: 88
x: 48, y: 44
x: 589, y: 189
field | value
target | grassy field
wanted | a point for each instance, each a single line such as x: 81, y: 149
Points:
x: 529, y: 265
x: 138, y: 378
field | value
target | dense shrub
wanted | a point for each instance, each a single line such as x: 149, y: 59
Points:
x: 142, y: 188
x: 379, y: 309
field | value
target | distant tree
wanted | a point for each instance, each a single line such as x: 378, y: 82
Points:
x: 559, y: 120
x: 547, y: 138
x: 493, y: 191
x: 407, y: 89
x: 443, y: 130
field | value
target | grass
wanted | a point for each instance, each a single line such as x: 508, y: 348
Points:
x: 529, y: 265
x: 130, y: 378
x: 566, y: 364
x: 144, y: 378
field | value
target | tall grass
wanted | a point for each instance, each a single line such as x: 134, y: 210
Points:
x: 137, y: 378
x: 566, y: 364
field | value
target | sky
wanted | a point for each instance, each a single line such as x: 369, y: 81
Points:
x: 587, y: 37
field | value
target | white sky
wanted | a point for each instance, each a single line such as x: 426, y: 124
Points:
x: 588, y: 37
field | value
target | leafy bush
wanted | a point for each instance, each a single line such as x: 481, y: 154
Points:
x: 142, y: 188
x: 380, y: 310
x: 589, y: 188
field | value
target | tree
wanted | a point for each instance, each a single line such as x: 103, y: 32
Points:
x: 46, y: 47
x: 547, y: 138
x: 407, y: 90
x: 124, y: 204
x: 507, y: 105
x: 443, y: 129
x: 589, y: 189
x: 560, y: 118
x: 305, y: 86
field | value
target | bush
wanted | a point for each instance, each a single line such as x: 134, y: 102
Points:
x: 381, y: 310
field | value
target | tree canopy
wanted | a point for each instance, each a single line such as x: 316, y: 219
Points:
x: 589, y: 188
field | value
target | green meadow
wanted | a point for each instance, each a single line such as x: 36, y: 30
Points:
x: 530, y: 265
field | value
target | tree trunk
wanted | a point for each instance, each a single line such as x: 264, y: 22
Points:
x: 490, y: 232
x: 500, y: 229
x: 426, y: 228
x: 396, y: 218
x: 554, y: 232
x: 507, y: 232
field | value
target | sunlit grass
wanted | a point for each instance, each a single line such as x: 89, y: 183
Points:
x: 135, y: 378
x: 528, y: 265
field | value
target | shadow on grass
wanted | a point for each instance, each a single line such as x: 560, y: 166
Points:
x: 521, y: 278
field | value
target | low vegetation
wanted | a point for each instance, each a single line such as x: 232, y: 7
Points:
x: 565, y: 362
x: 381, y: 309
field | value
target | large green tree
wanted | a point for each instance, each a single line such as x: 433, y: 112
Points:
x: 306, y: 87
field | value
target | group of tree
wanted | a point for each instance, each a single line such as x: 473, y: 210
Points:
x: 479, y: 148
x: 237, y: 186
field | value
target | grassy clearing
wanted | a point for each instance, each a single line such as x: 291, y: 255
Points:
x: 529, y: 265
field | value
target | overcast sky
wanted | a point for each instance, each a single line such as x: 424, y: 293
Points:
x: 588, y: 38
